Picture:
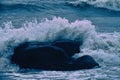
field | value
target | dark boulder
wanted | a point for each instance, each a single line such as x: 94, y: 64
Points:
x: 19, y: 51
x: 71, y: 47
x: 41, y: 57
x: 84, y: 62
x: 55, y: 55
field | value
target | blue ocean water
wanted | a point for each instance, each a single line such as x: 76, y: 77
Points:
x: 96, y: 22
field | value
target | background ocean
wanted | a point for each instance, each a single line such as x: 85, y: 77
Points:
x: 96, y: 22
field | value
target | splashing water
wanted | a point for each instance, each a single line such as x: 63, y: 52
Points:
x: 104, y: 47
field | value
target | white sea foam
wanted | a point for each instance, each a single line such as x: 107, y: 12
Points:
x: 109, y: 4
x: 104, y: 47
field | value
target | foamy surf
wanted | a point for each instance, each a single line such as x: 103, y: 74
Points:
x: 104, y: 47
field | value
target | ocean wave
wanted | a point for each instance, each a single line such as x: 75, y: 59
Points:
x: 108, y: 4
x: 104, y: 47
x: 25, y: 6
x: 30, y: 4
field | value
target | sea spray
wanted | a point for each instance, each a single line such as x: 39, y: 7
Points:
x: 104, y: 47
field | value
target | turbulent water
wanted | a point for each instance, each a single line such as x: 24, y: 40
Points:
x: 96, y: 22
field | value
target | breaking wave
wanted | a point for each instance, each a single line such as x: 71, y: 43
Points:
x: 104, y: 47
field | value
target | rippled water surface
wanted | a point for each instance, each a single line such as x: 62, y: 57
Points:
x: 96, y: 22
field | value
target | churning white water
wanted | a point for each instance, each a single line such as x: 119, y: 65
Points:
x: 103, y: 47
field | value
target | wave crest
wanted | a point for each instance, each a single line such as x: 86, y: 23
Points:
x: 109, y: 4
